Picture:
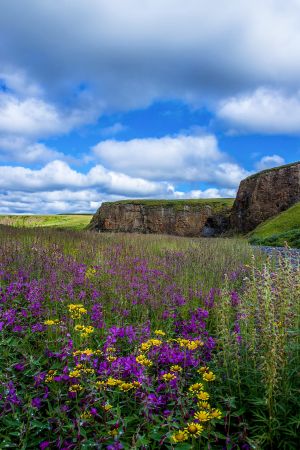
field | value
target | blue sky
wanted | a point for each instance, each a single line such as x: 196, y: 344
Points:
x: 102, y: 101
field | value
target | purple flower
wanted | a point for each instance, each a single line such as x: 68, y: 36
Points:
x: 36, y: 402
x: 44, y: 445
x: 115, y: 446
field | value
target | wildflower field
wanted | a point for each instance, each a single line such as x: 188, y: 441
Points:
x: 146, y: 342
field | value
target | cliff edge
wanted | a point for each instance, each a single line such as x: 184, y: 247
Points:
x: 178, y: 217
x: 265, y: 195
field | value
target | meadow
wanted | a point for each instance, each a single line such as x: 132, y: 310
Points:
x: 146, y: 342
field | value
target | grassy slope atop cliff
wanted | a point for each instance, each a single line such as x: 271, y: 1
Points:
x: 285, y: 227
x: 217, y: 204
x: 68, y: 221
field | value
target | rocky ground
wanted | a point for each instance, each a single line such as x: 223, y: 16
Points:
x: 292, y: 253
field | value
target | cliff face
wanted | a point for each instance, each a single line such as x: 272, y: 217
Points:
x: 265, y: 195
x: 188, y: 220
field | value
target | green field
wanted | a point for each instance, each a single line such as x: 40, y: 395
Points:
x: 280, y: 229
x: 68, y: 221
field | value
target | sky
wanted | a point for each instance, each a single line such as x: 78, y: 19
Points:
x: 103, y: 100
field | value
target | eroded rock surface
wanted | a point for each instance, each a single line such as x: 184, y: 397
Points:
x: 265, y: 195
x: 187, y: 220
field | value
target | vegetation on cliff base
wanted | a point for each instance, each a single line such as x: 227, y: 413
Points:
x: 281, y: 229
x: 67, y: 221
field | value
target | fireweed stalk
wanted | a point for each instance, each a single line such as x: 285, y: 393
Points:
x: 142, y: 341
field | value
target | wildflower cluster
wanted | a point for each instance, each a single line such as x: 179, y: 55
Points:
x: 204, y: 413
x: 76, y: 310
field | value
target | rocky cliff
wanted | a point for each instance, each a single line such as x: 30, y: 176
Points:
x: 182, y: 218
x: 265, y: 195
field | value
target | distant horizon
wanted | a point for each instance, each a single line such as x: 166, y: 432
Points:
x: 178, y: 100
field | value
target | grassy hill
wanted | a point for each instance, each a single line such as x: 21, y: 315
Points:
x: 280, y: 229
x: 68, y: 221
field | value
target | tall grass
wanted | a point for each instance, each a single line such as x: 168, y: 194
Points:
x: 217, y: 304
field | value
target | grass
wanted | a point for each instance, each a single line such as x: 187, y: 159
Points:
x: 285, y: 227
x: 68, y: 221
x: 273, y: 169
x: 84, y: 316
x: 217, y: 204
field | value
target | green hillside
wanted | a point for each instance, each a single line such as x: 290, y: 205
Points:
x: 280, y: 229
x: 68, y: 221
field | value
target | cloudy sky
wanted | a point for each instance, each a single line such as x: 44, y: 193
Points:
x: 113, y: 99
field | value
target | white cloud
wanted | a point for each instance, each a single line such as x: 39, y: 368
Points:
x: 34, y: 117
x: 263, y: 111
x: 129, y: 53
x: 113, y: 130
x: 58, y: 175
x: 181, y: 158
x: 268, y: 162
x: 22, y: 150
x: 207, y: 193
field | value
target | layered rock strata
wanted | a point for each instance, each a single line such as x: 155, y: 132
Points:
x: 265, y: 195
x: 188, y: 220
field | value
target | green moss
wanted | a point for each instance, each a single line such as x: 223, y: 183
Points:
x: 273, y: 169
x: 218, y: 204
x: 66, y: 221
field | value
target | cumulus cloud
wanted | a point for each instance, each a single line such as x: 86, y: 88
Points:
x: 59, y: 175
x: 263, y: 111
x: 170, y: 49
x: 269, y: 161
x: 22, y: 150
x: 35, y: 117
x: 181, y: 158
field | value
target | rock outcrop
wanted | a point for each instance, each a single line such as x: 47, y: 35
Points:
x: 164, y: 217
x: 265, y: 195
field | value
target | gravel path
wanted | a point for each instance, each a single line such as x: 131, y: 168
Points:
x: 292, y: 253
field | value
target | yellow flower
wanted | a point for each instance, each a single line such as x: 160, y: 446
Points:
x: 145, y: 346
x: 113, y: 432
x: 110, y: 349
x: 204, y: 405
x: 79, y: 327
x: 74, y: 374
x: 126, y: 387
x: 88, y: 370
x: 202, y: 416
x: 209, y: 376
x: 194, y: 429
x: 159, y: 333
x: 86, y: 415
x: 179, y: 436
x: 175, y: 369
x: 107, y: 407
x: 136, y: 384
x: 113, y: 382
x: 215, y: 414
x: 203, y: 369
x: 111, y: 358
x: 141, y: 359
x: 76, y: 310
x: 98, y: 352
x: 197, y: 387
x: 49, y: 322
x: 75, y: 388
x: 203, y: 395
x: 169, y: 377
x: 100, y: 384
